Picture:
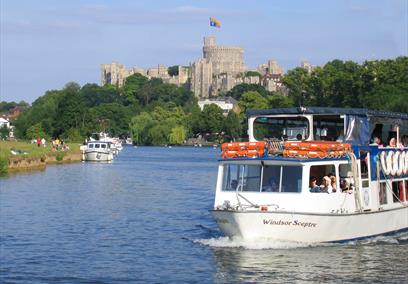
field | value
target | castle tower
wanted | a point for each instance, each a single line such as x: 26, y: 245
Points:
x: 224, y: 59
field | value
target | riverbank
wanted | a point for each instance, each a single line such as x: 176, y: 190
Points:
x: 16, y: 156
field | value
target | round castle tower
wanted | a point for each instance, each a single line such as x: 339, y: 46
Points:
x: 224, y: 59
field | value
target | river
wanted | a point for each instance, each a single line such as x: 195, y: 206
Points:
x: 144, y: 219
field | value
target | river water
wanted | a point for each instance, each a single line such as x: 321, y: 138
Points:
x: 144, y: 219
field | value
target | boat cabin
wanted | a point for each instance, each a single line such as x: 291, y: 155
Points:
x: 99, y: 146
x: 317, y: 160
x: 355, y: 126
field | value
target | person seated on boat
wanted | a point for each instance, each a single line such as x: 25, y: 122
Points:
x: 404, y: 140
x: 333, y: 182
x: 392, y: 143
x: 234, y: 184
x: 272, y: 186
x: 340, y: 136
x: 299, y: 137
x: 326, y: 185
x: 345, y: 186
x: 377, y: 141
x: 313, y: 185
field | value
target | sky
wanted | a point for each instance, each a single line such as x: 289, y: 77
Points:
x: 46, y: 44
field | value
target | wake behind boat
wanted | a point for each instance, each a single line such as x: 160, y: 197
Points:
x: 311, y: 175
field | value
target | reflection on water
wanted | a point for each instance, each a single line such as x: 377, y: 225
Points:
x: 374, y: 261
x: 144, y: 219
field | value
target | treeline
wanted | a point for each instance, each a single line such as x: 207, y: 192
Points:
x: 378, y: 84
x: 156, y: 113
x: 149, y: 111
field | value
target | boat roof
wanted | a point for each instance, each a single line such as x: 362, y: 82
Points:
x: 284, y: 159
x: 98, y: 141
x: 328, y: 110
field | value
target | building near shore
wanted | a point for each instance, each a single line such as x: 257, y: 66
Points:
x: 227, y: 104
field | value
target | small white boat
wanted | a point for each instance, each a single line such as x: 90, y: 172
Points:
x: 98, y: 151
x: 267, y: 189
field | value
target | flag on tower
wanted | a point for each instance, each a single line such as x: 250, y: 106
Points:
x: 215, y: 23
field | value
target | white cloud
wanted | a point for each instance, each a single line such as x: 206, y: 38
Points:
x: 190, y: 10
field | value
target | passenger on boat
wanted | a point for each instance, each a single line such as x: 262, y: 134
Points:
x: 272, y: 186
x: 234, y: 184
x: 299, y: 137
x: 326, y: 185
x: 377, y: 141
x: 340, y: 137
x: 313, y: 185
x: 392, y: 143
x: 333, y: 182
x: 404, y: 140
x: 345, y: 186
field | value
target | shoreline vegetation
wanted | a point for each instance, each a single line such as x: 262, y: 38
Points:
x: 29, y: 157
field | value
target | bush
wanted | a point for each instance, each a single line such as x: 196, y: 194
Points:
x: 59, y: 156
x: 3, y: 164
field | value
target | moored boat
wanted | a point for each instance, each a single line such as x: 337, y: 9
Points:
x: 268, y: 188
x: 98, y: 151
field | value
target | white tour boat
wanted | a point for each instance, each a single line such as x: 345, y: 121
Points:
x: 98, y: 151
x: 279, y: 185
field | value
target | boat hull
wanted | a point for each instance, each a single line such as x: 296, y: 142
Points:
x: 98, y: 156
x: 310, y: 228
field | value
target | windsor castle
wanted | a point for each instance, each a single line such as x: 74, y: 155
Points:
x: 220, y: 69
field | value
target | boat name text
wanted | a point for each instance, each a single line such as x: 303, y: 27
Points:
x: 289, y: 223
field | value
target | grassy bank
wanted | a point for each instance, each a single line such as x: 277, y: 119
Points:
x: 21, y: 155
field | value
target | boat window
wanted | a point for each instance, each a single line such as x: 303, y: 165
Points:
x: 271, y: 178
x: 346, y: 177
x: 286, y: 128
x: 97, y: 145
x: 91, y: 146
x: 291, y: 179
x: 320, y: 172
x: 282, y: 178
x: 383, y: 193
x: 328, y: 128
x: 251, y: 178
x: 247, y: 176
x: 103, y: 146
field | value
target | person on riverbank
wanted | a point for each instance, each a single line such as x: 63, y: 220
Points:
x: 43, y: 142
x: 38, y: 142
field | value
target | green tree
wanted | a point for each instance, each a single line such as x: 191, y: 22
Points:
x: 252, y: 100
x: 213, y: 119
x: 173, y: 70
x: 233, y: 127
x: 74, y: 135
x: 237, y: 91
x: 139, y: 127
x: 4, y: 132
x: 177, y: 135
x: 71, y: 110
x: 35, y: 131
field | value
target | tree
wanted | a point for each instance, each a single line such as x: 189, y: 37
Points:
x: 173, y: 70
x: 35, y: 131
x: 213, y: 119
x: 177, y: 135
x: 233, y: 126
x: 4, y: 132
x: 71, y: 111
x: 252, y: 100
x: 139, y: 127
x: 237, y: 91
